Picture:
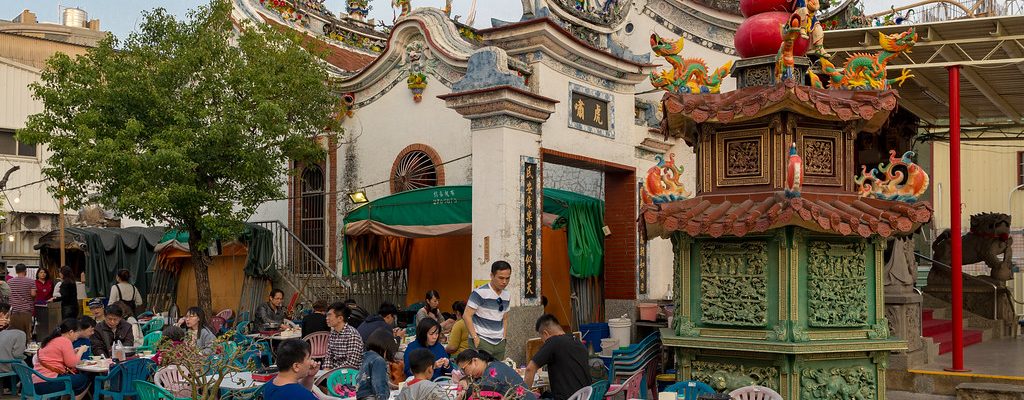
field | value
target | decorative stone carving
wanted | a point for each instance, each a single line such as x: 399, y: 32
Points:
x: 688, y: 329
x: 879, y: 330
x: 819, y: 156
x: 488, y: 67
x: 837, y: 285
x: 838, y: 383
x: 744, y: 158
x: 725, y: 377
x: 734, y: 283
x: 988, y: 241
x: 900, y: 266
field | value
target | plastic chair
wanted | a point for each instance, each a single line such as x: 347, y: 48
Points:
x: 241, y: 329
x: 582, y: 394
x: 149, y: 391
x: 217, y: 325
x: 226, y: 314
x: 317, y: 344
x: 598, y: 389
x: 251, y: 393
x: 172, y: 313
x: 123, y: 375
x: 631, y: 387
x: 253, y: 356
x: 341, y: 377
x: 154, y: 325
x: 689, y: 390
x: 242, y: 316
x: 9, y: 376
x: 754, y: 392
x: 28, y: 389
x: 150, y: 341
x: 171, y: 379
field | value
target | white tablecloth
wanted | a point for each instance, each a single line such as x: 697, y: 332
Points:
x: 243, y: 380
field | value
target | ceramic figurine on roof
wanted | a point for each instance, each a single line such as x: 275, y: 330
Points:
x: 867, y: 71
x: 794, y: 173
x: 662, y: 184
x: 894, y: 184
x: 357, y: 9
x: 404, y: 5
x: 688, y: 75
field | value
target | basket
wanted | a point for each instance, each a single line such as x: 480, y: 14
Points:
x: 648, y: 311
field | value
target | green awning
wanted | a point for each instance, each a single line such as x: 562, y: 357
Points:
x: 448, y: 210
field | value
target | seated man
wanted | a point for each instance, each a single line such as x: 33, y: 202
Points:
x: 565, y: 357
x: 386, y: 318
x: 96, y: 307
x: 113, y: 328
x: 272, y: 312
x: 297, y: 372
x: 344, y: 346
x: 12, y: 341
x: 316, y: 321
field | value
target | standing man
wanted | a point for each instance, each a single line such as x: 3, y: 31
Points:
x: 344, y: 346
x: 23, y: 298
x: 487, y: 312
x: 271, y: 312
x: 565, y: 357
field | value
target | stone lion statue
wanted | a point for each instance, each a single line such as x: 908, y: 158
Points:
x: 988, y: 241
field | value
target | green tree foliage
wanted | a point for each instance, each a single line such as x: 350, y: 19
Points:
x: 187, y: 123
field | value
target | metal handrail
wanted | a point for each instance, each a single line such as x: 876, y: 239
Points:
x: 308, y: 251
x: 995, y: 289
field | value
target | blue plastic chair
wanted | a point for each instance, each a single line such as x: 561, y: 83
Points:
x: 149, y: 391
x: 28, y: 389
x: 121, y: 379
x: 9, y: 376
x: 252, y: 393
x: 599, y: 388
x: 154, y: 325
x: 690, y: 390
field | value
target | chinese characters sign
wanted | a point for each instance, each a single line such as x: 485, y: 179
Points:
x: 530, y: 234
x: 591, y: 111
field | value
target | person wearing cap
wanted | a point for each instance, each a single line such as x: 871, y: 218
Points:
x: 96, y: 307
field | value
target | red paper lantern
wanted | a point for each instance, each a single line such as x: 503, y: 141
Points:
x: 761, y: 35
x: 750, y: 8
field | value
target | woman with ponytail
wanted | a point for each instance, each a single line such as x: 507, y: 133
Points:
x: 57, y: 357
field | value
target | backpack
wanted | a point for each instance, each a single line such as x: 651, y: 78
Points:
x: 127, y: 305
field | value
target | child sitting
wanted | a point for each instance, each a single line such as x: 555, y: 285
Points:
x: 421, y: 387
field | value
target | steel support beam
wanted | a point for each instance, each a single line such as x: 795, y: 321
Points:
x: 990, y: 93
x: 956, y: 260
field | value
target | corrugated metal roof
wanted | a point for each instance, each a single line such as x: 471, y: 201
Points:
x: 989, y: 50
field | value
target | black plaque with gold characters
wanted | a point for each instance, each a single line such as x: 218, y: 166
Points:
x: 530, y: 236
x: 589, y: 111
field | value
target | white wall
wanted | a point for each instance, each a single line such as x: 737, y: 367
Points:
x: 15, y: 107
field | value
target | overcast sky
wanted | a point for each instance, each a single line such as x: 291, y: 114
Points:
x: 122, y: 16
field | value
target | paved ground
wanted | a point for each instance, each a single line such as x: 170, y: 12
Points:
x: 897, y: 395
x: 1002, y: 357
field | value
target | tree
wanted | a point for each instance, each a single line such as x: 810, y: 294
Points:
x: 189, y: 123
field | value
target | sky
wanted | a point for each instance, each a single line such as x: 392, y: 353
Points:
x: 123, y: 16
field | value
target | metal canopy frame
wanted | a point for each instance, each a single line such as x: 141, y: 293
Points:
x: 990, y: 52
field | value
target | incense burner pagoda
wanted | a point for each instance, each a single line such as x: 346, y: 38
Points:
x: 779, y: 256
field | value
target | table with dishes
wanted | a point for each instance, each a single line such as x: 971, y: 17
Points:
x: 244, y: 380
x: 292, y: 333
x: 101, y: 365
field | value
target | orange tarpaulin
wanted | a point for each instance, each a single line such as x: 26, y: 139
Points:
x: 554, y: 272
x: 443, y: 263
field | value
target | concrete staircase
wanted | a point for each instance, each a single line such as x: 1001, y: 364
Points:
x: 941, y: 330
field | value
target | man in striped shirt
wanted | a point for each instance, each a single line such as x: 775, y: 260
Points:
x: 23, y: 296
x: 487, y: 312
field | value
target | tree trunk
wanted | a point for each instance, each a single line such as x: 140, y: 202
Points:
x: 201, y: 264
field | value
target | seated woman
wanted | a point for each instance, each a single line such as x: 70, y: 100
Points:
x: 197, y: 330
x: 429, y: 310
x: 171, y: 333
x: 428, y: 333
x: 86, y: 327
x: 491, y: 375
x: 57, y: 357
x: 373, y: 382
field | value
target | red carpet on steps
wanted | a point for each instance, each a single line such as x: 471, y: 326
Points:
x: 941, y: 331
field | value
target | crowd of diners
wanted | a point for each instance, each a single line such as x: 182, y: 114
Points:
x: 468, y: 345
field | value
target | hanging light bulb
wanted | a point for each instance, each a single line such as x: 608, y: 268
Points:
x: 17, y: 199
x: 10, y: 238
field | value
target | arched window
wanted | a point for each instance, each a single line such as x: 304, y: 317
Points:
x: 312, y: 224
x: 416, y: 167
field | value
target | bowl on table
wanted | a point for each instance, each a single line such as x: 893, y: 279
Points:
x: 96, y: 358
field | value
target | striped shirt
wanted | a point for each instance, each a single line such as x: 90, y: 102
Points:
x: 489, y: 319
x: 21, y: 294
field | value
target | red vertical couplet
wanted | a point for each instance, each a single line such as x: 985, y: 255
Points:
x: 954, y: 207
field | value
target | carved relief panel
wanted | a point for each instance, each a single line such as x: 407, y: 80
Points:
x: 742, y: 158
x: 823, y: 153
x: 734, y: 283
x: 837, y: 285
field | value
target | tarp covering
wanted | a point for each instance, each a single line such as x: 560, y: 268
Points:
x: 259, y: 240
x: 108, y: 250
x: 448, y: 210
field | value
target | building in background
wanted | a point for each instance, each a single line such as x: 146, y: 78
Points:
x: 25, y: 45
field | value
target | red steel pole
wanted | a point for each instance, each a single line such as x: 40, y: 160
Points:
x: 954, y: 208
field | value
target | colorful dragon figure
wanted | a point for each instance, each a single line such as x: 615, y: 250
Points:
x: 688, y: 75
x: 662, y: 184
x: 867, y: 71
x: 358, y: 9
x: 404, y: 5
x: 895, y: 184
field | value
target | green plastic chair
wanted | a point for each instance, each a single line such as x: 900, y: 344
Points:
x: 150, y: 341
x: 154, y: 325
x: 341, y: 377
x: 149, y: 391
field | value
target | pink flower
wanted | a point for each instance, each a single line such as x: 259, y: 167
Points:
x: 520, y: 391
x: 493, y: 373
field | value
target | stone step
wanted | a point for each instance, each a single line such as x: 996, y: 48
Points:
x: 945, y: 339
x: 934, y: 327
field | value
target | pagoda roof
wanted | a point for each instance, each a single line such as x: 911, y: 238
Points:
x: 741, y: 214
x: 750, y: 103
x: 344, y: 59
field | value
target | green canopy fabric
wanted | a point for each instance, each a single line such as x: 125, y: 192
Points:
x: 111, y: 249
x: 448, y: 210
x: 260, y: 240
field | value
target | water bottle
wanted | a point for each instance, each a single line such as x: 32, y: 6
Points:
x: 117, y: 353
